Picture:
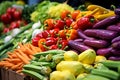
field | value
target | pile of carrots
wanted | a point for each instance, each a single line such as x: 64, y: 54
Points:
x: 19, y: 57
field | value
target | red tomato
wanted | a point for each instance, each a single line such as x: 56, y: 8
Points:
x: 17, y: 15
x: 6, y: 18
x: 13, y: 25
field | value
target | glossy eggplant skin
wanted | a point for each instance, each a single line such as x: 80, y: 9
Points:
x: 107, y: 22
x: 100, y: 33
x: 115, y: 58
x: 116, y: 45
x: 96, y: 43
x: 116, y: 39
x: 115, y: 52
x: 104, y: 51
x: 114, y: 28
x: 78, y: 46
x: 82, y: 35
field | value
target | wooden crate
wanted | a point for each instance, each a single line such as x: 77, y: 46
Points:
x: 11, y: 75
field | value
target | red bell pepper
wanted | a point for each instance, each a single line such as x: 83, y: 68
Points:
x: 86, y: 22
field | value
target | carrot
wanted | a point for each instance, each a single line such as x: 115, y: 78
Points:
x: 16, y: 66
x: 2, y: 63
x: 18, y: 71
x: 28, y: 51
x: 22, y: 58
x: 8, y: 64
x: 31, y: 56
x: 14, y: 55
x: 6, y: 59
x: 15, y: 60
x: 23, y: 54
x: 33, y: 48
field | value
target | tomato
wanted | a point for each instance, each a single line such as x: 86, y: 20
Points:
x: 6, y: 30
x: 68, y: 22
x: 59, y: 24
x: 74, y: 14
x: 13, y: 25
x: 6, y: 18
x: 17, y: 15
x: 65, y: 14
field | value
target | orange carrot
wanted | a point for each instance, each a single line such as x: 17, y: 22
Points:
x: 28, y: 51
x: 31, y: 56
x: 22, y: 58
x: 33, y: 48
x: 18, y: 71
x: 16, y: 66
x: 15, y: 60
x: 24, y: 55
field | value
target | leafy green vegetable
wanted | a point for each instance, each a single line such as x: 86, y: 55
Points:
x: 41, y: 11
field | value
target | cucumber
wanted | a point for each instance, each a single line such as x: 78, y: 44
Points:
x: 95, y: 77
x: 34, y: 74
x: 111, y: 64
x: 106, y: 73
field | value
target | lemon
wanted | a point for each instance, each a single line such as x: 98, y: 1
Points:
x: 70, y: 56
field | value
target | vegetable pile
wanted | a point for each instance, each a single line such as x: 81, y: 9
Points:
x: 60, y: 42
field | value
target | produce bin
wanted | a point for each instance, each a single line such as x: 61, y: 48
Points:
x: 11, y: 75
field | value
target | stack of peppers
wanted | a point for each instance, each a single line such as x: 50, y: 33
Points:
x: 57, y: 33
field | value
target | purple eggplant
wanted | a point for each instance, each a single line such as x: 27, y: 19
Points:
x: 115, y: 52
x: 78, y: 46
x: 107, y: 22
x: 117, y: 11
x: 116, y: 39
x: 114, y: 28
x: 82, y: 35
x: 100, y: 33
x: 116, y: 45
x: 115, y: 58
x: 96, y: 43
x: 104, y: 51
x: 79, y: 40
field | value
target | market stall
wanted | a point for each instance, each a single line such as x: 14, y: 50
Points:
x: 54, y: 41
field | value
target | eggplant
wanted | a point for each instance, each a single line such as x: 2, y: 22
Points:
x: 107, y: 22
x: 115, y: 58
x: 96, y: 43
x: 116, y: 39
x: 78, y: 46
x: 100, y: 33
x: 114, y: 28
x: 104, y: 51
x: 82, y: 35
x: 117, y: 11
x: 115, y: 52
x: 79, y: 40
x: 116, y: 45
